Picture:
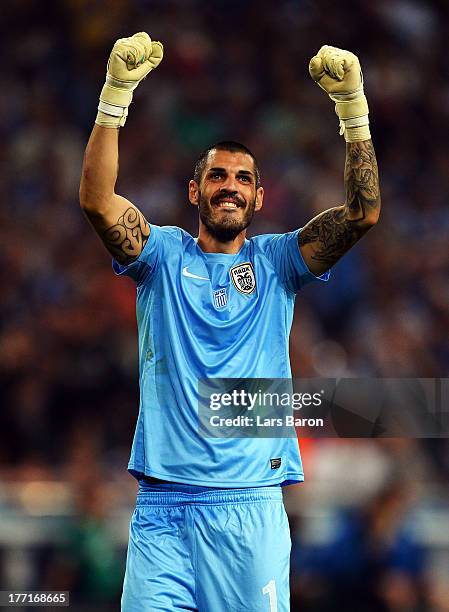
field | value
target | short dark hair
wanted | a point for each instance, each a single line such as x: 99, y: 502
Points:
x: 224, y: 145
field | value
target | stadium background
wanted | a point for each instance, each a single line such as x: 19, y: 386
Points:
x: 371, y: 526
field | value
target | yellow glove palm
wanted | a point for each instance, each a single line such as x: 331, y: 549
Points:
x: 338, y: 72
x: 130, y: 61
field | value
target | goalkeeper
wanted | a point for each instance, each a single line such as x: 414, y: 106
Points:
x: 209, y: 531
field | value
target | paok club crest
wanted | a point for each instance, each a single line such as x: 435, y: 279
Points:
x: 243, y: 277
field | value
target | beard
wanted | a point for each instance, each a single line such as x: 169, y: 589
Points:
x: 227, y: 228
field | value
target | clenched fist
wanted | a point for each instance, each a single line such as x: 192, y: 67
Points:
x: 338, y: 72
x: 130, y: 61
x: 133, y: 58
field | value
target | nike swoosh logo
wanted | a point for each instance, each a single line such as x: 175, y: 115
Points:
x: 190, y: 275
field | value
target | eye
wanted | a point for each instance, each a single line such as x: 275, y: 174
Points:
x: 245, y: 179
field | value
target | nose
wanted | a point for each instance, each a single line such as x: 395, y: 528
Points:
x: 230, y: 184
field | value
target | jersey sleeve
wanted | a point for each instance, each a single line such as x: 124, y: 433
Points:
x: 283, y: 251
x: 144, y: 267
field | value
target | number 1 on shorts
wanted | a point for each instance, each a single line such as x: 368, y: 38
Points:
x: 270, y: 588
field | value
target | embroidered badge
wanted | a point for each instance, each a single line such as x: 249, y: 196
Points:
x: 220, y: 298
x: 243, y: 277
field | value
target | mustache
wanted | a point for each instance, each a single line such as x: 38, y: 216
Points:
x: 227, y: 196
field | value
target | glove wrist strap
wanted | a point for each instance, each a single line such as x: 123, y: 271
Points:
x: 115, y: 97
x: 352, y: 110
x: 356, y: 134
x: 110, y: 121
x: 354, y: 130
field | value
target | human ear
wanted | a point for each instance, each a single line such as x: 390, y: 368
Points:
x: 194, y: 192
x: 259, y: 198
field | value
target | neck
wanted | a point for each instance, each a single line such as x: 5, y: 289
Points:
x: 209, y: 244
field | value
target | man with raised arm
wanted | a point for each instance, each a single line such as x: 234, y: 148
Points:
x: 209, y: 531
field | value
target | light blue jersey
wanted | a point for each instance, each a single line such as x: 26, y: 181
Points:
x: 211, y: 315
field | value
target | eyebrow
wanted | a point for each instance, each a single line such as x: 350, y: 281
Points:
x: 245, y: 172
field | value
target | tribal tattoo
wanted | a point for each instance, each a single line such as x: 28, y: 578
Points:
x: 126, y: 239
x: 332, y: 233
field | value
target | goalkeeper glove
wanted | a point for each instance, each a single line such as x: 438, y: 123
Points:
x: 338, y: 72
x: 130, y: 61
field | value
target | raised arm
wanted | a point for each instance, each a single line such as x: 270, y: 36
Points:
x: 120, y: 225
x: 329, y: 235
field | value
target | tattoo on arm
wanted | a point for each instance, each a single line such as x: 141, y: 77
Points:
x: 361, y: 181
x: 332, y: 233
x: 126, y: 239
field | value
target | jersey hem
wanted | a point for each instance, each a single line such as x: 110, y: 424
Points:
x: 287, y: 478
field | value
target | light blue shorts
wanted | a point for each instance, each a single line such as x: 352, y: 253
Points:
x: 210, y: 550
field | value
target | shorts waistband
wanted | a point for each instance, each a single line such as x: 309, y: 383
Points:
x: 208, y: 497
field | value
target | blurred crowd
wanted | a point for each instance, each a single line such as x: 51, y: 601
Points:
x: 234, y: 70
